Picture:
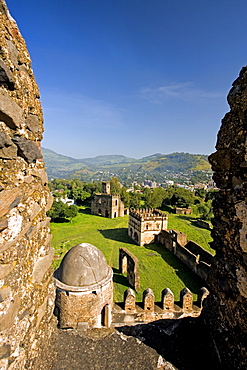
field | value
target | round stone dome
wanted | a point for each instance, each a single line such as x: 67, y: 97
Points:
x: 83, y: 265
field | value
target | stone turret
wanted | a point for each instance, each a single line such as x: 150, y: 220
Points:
x: 26, y: 288
x: 227, y: 304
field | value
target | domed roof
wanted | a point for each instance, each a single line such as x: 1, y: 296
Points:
x: 83, y: 265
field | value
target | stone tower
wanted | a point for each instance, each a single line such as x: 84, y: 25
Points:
x: 26, y: 287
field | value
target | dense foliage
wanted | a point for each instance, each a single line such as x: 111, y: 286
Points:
x: 82, y: 193
x: 60, y: 210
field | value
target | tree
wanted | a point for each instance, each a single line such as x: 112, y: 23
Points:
x: 205, y: 210
x: 115, y: 185
x: 135, y: 199
x: 125, y: 197
x: 200, y: 193
x: 79, y: 195
x: 70, y: 212
x: 57, y: 210
x: 61, y: 210
x: 182, y: 198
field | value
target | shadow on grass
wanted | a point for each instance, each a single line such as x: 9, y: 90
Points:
x: 186, y: 218
x: 60, y: 220
x: 189, y: 278
x: 120, y: 279
x: 120, y: 235
x: 86, y: 211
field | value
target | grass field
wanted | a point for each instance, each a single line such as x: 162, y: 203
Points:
x: 186, y: 224
x: 158, y: 267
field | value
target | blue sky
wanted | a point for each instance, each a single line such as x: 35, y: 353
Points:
x: 133, y: 77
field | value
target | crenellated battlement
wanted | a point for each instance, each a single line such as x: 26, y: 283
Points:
x: 130, y: 312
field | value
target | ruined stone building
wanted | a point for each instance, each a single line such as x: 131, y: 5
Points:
x: 144, y: 224
x: 107, y: 204
x: 84, y: 288
x: 27, y: 293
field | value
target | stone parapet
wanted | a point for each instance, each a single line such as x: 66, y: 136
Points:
x: 131, y: 312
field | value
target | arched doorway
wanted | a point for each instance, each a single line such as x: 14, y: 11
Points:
x: 136, y: 239
x: 106, y: 316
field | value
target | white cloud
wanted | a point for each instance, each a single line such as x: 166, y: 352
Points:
x: 183, y: 91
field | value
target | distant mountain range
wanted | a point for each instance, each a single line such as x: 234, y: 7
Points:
x: 61, y: 166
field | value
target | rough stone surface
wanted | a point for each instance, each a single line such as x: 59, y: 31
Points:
x: 27, y: 149
x: 27, y: 291
x: 105, y: 349
x: 6, y: 77
x: 226, y: 307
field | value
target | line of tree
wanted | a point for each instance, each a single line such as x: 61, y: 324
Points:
x: 82, y: 193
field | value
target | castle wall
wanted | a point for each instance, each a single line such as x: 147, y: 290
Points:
x: 26, y: 287
x: 226, y: 310
x: 191, y: 254
x: 132, y: 312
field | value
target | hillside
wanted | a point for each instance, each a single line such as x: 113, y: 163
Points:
x: 61, y: 166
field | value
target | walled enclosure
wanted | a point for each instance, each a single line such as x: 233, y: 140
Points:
x: 190, y: 253
x: 226, y: 312
x: 26, y: 288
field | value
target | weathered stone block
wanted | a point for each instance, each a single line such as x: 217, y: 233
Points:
x: 10, y: 112
x: 6, y: 76
x: 3, y: 224
x: 7, y: 197
x: 27, y: 149
x: 5, y: 351
x: 4, y: 293
x: 41, y: 267
x: 8, y: 317
x: 5, y: 269
x: 32, y: 122
x: 13, y: 53
x: 41, y: 173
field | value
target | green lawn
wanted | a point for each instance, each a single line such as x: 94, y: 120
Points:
x: 186, y: 224
x: 158, y: 267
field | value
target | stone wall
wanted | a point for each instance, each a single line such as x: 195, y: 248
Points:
x: 190, y: 253
x: 226, y: 311
x: 26, y: 288
x: 130, y: 264
x: 132, y: 312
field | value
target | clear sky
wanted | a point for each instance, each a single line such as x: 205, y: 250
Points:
x: 133, y: 77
